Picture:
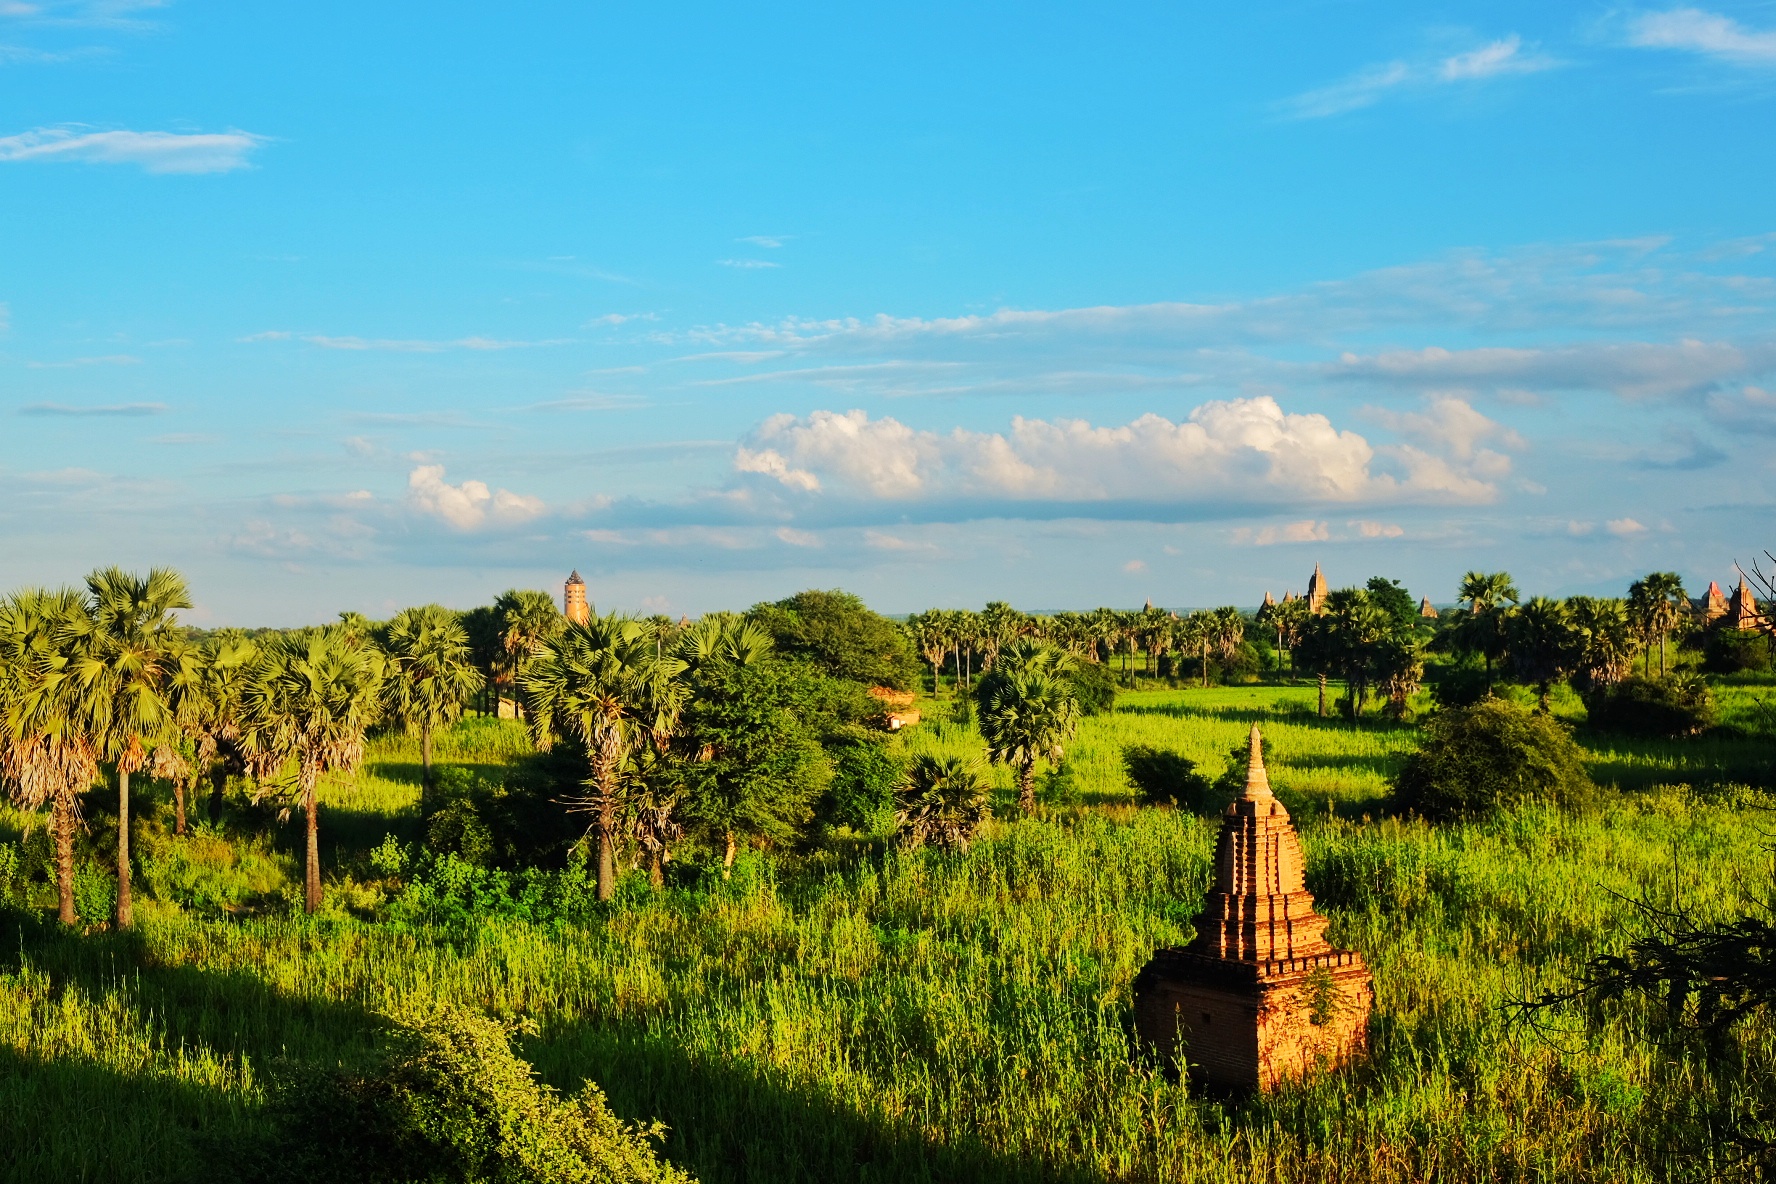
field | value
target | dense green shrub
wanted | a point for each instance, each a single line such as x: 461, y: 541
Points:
x: 1734, y: 651
x: 1094, y: 685
x: 1161, y: 777
x: 1456, y: 686
x: 1492, y: 755
x: 865, y: 773
x: 445, y: 1100
x: 1665, y: 707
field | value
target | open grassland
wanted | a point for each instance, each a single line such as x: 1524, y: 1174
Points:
x: 889, y: 1015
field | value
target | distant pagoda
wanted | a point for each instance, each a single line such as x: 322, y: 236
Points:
x: 1426, y: 610
x: 1713, y: 604
x: 1742, y: 609
x: 1259, y: 996
x: 1316, y: 592
x: 573, y: 600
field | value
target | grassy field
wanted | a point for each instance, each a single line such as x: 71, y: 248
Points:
x: 870, y: 1013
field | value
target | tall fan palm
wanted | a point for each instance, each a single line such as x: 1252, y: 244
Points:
x: 1606, y: 648
x: 311, y: 698
x: 605, y: 684
x: 49, y: 715
x: 430, y: 675
x: 529, y: 620
x: 132, y: 662
x: 214, y: 714
x: 941, y: 801
x: 1352, y: 630
x: 1544, y: 645
x: 725, y: 637
x: 1027, y: 710
x: 1482, y: 621
x: 1658, y: 605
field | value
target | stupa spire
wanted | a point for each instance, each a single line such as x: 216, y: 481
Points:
x: 1257, y: 780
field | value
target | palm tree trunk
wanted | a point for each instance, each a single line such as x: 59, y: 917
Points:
x: 1205, y: 665
x: 1661, y: 655
x: 657, y: 869
x: 1322, y: 694
x: 311, y: 871
x: 179, y: 806
x: 728, y: 855
x: 126, y: 914
x: 1027, y: 786
x: 218, y: 787
x: 63, y: 819
x: 425, y: 764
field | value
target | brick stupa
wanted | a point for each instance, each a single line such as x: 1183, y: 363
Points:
x: 1260, y: 995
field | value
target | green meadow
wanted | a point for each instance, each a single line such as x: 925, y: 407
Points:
x: 869, y: 1012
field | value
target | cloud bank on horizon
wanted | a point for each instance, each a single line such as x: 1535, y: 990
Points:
x: 1413, y: 298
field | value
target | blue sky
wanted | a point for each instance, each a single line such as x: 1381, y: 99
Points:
x: 355, y: 306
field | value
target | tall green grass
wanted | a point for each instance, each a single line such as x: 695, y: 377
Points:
x: 897, y: 1015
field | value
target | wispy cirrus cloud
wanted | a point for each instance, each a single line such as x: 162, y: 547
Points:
x: 403, y: 345
x: 1370, y: 85
x: 153, y: 152
x: 109, y: 409
x: 76, y: 363
x: 1698, y: 31
x: 747, y: 264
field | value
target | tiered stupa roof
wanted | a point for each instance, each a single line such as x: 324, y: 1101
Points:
x: 1259, y: 909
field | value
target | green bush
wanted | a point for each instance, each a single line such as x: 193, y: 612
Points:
x: 458, y: 829
x: 1456, y: 686
x: 1492, y: 755
x: 446, y: 1100
x: 861, y: 792
x: 1735, y: 651
x: 1664, y: 707
x: 1165, y: 778
x: 1094, y: 685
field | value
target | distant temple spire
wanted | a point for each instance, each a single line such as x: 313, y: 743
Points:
x: 573, y: 600
x: 1742, y: 610
x: 1316, y: 591
x: 1426, y: 609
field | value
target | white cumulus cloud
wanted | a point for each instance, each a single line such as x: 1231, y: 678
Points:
x: 1225, y: 452
x: 154, y: 152
x: 468, y: 505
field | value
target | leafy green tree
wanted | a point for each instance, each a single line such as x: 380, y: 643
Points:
x: 132, y: 659
x: 430, y: 675
x: 1393, y: 600
x: 607, y: 685
x: 1350, y: 630
x: 1163, y: 777
x: 1658, y: 606
x: 839, y: 634
x: 1545, y: 646
x: 758, y: 766
x: 310, y: 699
x: 1028, y: 709
x: 942, y: 801
x: 1491, y: 756
x: 49, y: 750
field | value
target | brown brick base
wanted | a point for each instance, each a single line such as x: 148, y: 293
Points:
x: 1242, y: 1025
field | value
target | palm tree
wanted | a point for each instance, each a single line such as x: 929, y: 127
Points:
x: 606, y: 684
x: 1658, y: 605
x: 941, y: 801
x: 430, y: 675
x: 213, y: 713
x: 49, y: 715
x: 528, y: 621
x: 311, y: 698
x: 132, y: 661
x: 1229, y: 631
x: 1606, y: 646
x: 725, y: 637
x: 1290, y: 618
x: 1482, y: 619
x: 1353, y: 627
x: 930, y: 633
x: 1000, y: 626
x: 1028, y: 709
x: 1544, y: 645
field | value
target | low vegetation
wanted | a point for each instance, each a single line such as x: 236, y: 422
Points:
x: 699, y: 915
